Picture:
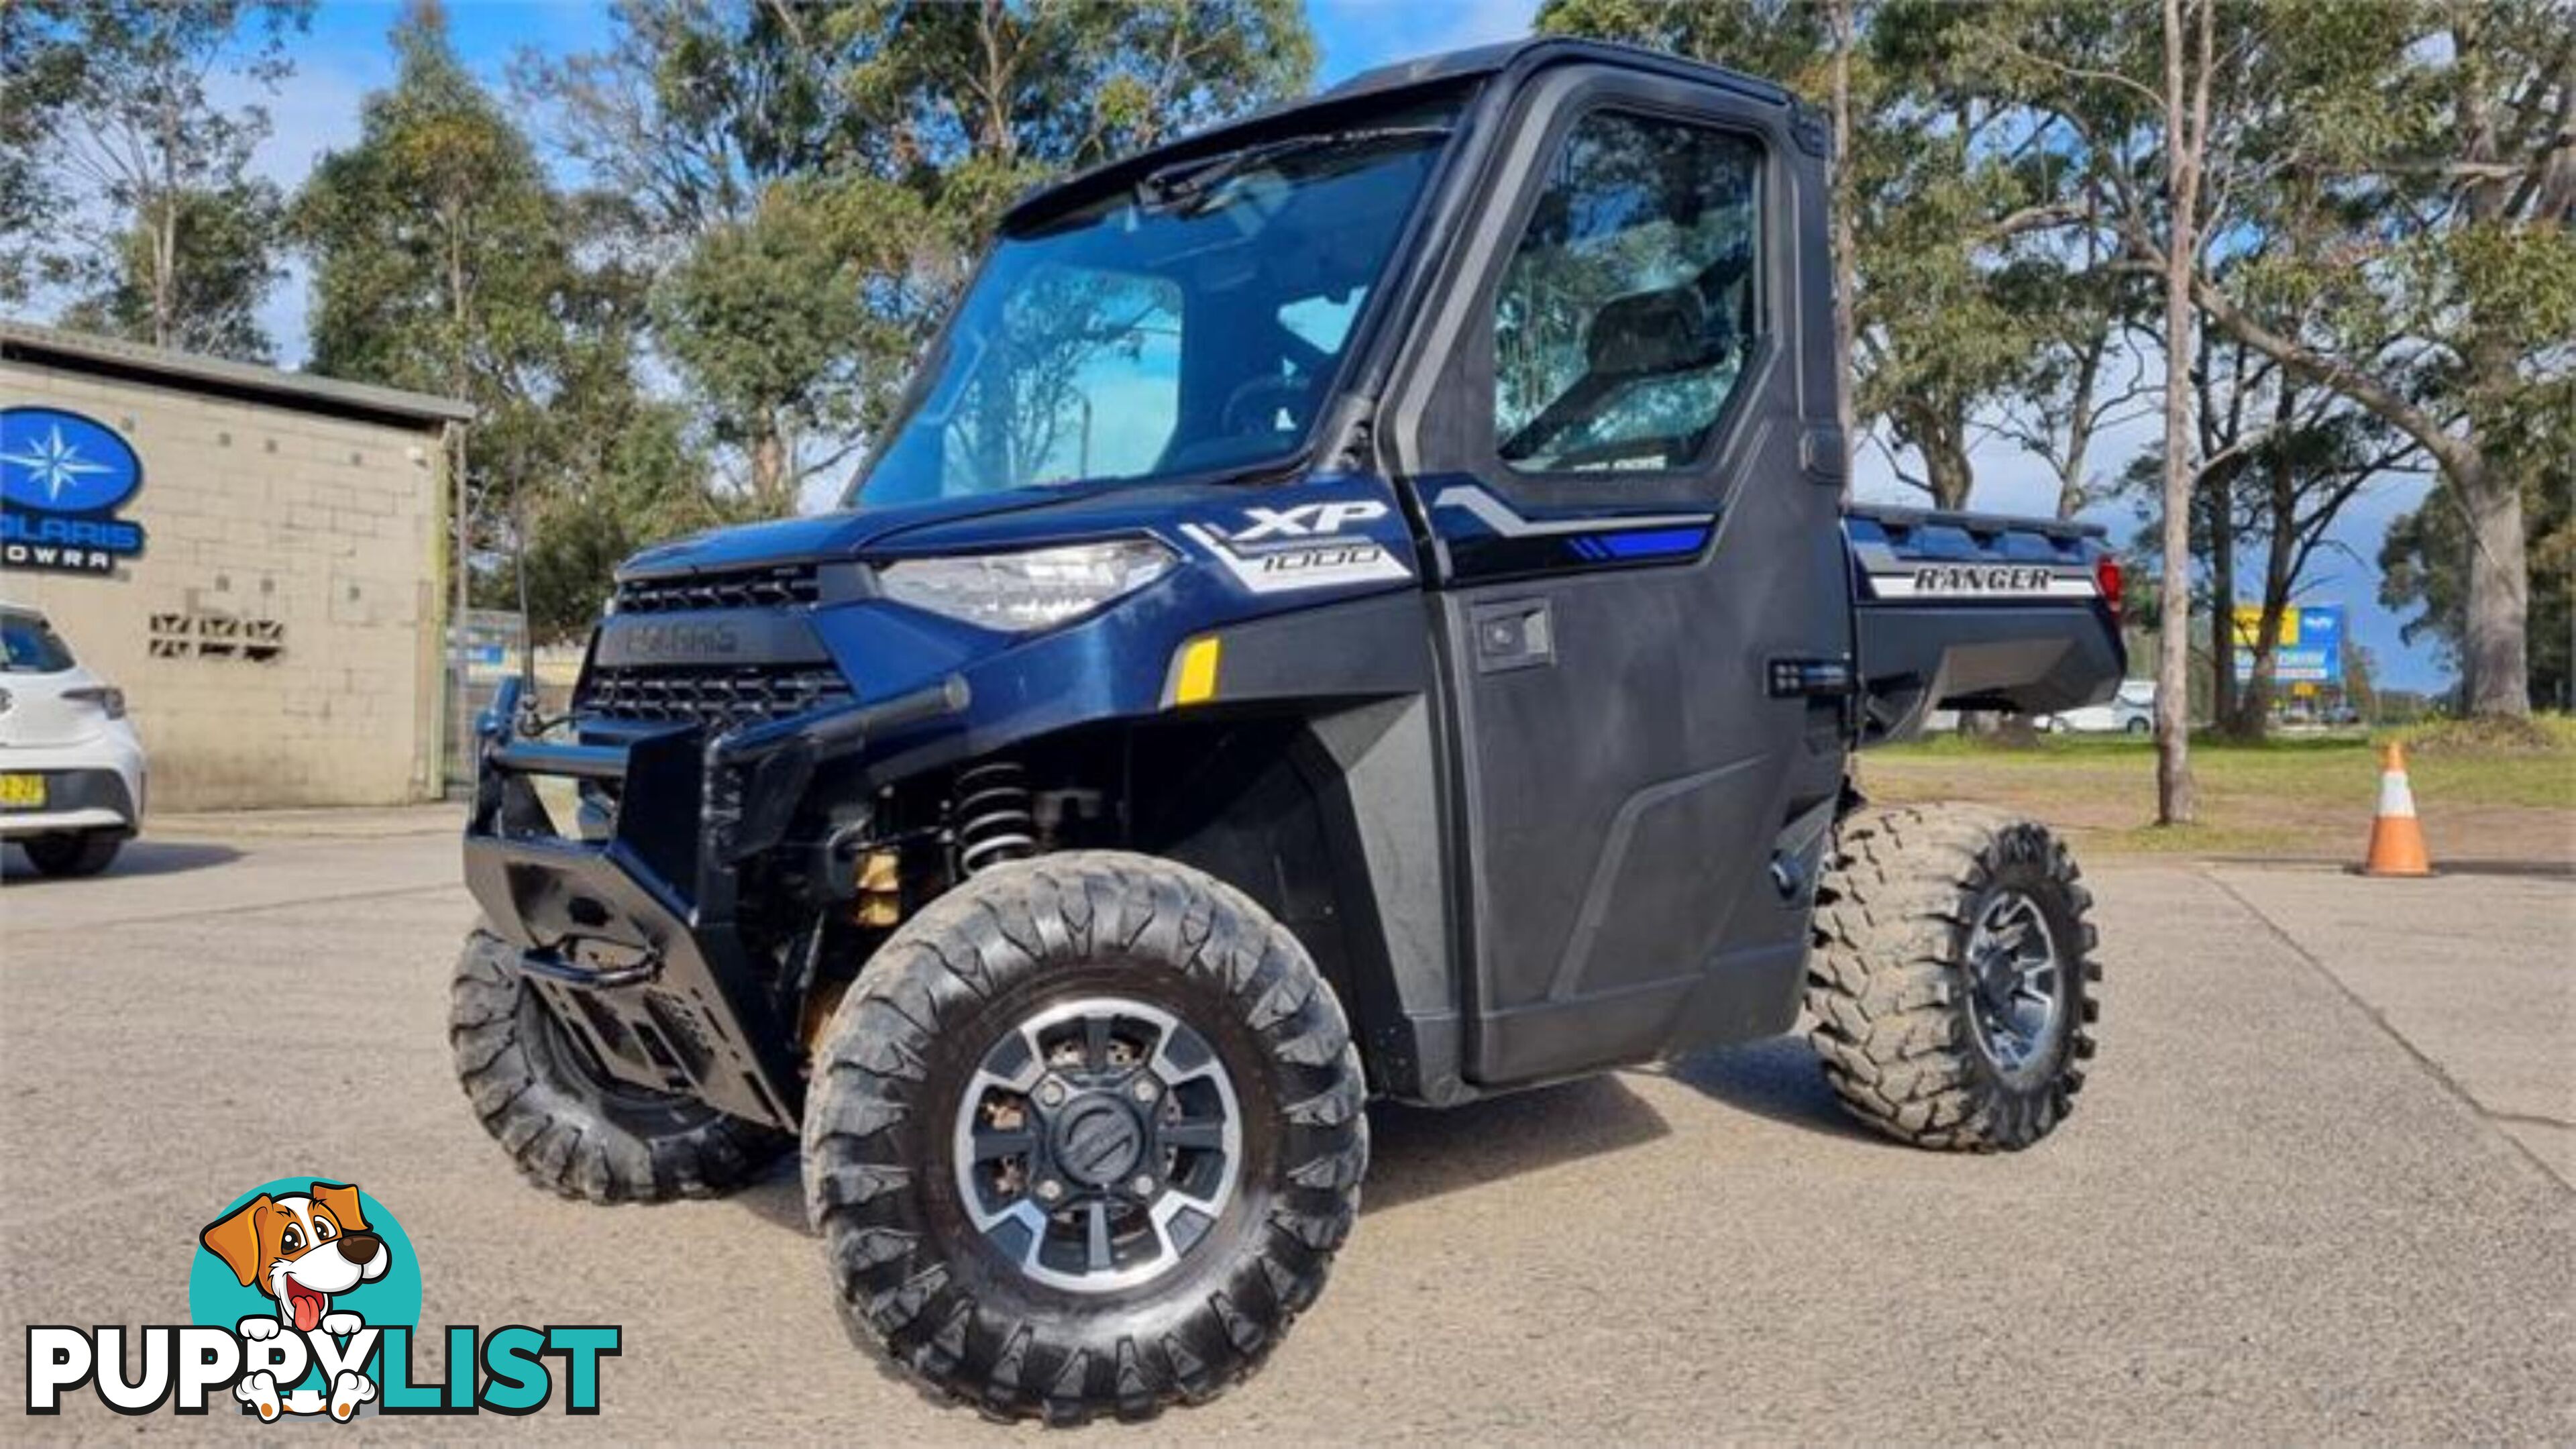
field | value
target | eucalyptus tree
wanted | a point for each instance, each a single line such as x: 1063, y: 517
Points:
x: 124, y: 175
x: 814, y: 177
x: 2391, y: 185
x: 446, y: 259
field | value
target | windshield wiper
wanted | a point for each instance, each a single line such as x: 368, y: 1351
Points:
x: 1185, y: 182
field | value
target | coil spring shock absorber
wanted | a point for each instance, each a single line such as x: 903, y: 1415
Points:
x: 993, y: 818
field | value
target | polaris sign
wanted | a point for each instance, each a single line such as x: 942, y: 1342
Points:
x: 62, y: 478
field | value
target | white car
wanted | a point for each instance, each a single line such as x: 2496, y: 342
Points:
x: 2132, y: 711
x: 71, y: 769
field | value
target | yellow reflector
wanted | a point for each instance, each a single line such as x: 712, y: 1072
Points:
x: 1198, y: 672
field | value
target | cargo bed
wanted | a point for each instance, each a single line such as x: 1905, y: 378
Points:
x: 1978, y: 611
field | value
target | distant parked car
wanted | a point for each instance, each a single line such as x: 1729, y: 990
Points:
x: 2132, y: 711
x: 71, y: 769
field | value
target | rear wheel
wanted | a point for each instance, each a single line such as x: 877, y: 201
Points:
x: 1952, y: 980
x: 571, y: 1126
x: 1084, y: 1137
x: 85, y: 853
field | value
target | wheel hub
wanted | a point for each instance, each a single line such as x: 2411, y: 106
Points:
x: 2016, y: 985
x: 1096, y: 1139
x: 1097, y: 1143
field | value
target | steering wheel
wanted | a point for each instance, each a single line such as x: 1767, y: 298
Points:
x: 1235, y: 417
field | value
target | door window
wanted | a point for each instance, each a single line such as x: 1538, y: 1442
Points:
x: 1625, y: 315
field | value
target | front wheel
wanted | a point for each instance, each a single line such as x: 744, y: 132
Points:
x: 66, y: 856
x: 570, y: 1125
x: 1952, y: 977
x: 1084, y: 1137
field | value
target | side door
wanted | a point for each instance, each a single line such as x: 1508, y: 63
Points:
x: 1606, y: 420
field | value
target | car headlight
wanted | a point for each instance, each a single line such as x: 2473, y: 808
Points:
x: 1036, y: 589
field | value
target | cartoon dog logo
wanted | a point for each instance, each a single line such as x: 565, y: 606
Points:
x: 301, y: 1249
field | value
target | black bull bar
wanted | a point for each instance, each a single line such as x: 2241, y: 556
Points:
x: 632, y: 941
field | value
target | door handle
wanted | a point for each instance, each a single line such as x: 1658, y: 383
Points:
x: 1513, y: 634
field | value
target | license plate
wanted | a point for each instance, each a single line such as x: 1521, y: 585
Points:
x: 22, y: 792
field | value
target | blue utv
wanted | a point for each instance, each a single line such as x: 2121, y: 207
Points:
x: 1358, y: 603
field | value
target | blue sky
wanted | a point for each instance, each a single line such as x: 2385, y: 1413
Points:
x: 345, y: 56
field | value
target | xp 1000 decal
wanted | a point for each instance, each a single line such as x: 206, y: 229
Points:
x: 1303, y: 546
x: 305, y: 1297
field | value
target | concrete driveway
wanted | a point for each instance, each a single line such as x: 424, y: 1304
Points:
x: 2318, y: 1188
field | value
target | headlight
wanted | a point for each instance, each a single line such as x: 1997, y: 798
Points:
x: 1038, y: 589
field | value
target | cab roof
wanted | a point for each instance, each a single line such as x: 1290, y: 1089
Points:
x: 1371, y: 90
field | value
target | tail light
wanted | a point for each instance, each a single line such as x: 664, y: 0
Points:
x: 107, y: 697
x: 2108, y: 577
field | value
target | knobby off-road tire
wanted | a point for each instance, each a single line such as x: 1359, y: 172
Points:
x: 1905, y: 1038
x: 912, y: 1057
x: 67, y: 856
x: 569, y: 1127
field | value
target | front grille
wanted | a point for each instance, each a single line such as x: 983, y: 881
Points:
x: 776, y: 586
x: 718, y: 696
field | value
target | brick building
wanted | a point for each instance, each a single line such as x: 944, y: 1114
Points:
x: 268, y: 590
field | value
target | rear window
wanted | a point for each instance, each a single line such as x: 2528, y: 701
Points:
x: 32, y: 646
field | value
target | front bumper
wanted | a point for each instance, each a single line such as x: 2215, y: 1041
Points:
x: 633, y: 941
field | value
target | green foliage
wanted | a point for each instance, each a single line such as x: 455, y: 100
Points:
x: 771, y: 320
x: 438, y: 245
x: 109, y: 126
x: 444, y: 260
x: 223, y: 266
x: 817, y: 178
x: 1961, y: 306
x: 1789, y: 41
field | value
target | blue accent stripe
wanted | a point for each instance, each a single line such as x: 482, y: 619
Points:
x: 1652, y: 543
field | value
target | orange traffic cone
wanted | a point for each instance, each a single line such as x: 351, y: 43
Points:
x: 2396, y: 837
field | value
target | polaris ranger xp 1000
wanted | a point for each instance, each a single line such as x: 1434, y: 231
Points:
x: 1357, y: 603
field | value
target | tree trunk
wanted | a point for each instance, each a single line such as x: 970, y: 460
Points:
x: 165, y: 231
x: 1846, y: 264
x: 1946, y: 468
x: 2072, y: 495
x: 2218, y: 487
x: 2495, y: 659
x: 772, y: 490
x: 2495, y: 652
x: 2280, y: 569
x: 2176, y: 802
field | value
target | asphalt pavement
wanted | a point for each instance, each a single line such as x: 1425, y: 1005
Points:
x: 2318, y: 1188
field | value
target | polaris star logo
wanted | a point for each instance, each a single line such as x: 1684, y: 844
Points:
x: 62, y: 478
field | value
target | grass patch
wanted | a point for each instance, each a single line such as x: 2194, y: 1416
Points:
x: 2504, y: 791
x: 2542, y: 734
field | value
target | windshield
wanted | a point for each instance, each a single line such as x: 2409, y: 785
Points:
x: 1193, y: 323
